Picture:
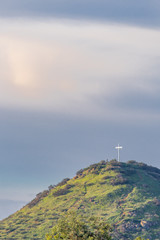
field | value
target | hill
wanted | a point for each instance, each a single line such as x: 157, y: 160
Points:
x: 126, y: 195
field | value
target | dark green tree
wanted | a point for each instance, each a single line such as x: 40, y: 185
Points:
x: 74, y: 227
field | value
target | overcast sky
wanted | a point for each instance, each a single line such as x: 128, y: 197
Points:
x: 76, y: 79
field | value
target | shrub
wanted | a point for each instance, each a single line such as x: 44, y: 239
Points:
x: 63, y: 191
x: 132, y: 162
x: 63, y: 182
x: 73, y: 227
x: 119, y: 180
x: 79, y: 172
x: 38, y: 198
x: 51, y: 187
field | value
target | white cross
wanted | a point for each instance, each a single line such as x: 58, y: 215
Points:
x: 118, y: 147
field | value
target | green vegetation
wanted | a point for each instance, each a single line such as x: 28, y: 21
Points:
x: 125, y: 195
x: 77, y: 228
x: 71, y: 226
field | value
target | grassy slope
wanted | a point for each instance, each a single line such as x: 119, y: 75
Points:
x: 126, y: 195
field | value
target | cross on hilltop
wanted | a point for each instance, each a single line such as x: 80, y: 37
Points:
x: 118, y: 148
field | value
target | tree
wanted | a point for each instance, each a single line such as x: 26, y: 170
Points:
x: 75, y: 227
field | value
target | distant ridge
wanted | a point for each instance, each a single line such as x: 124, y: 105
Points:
x: 126, y: 195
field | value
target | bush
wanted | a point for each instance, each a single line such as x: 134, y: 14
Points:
x: 63, y: 191
x: 119, y: 180
x: 51, y: 187
x: 63, y: 182
x: 38, y: 198
x: 132, y: 162
x: 73, y: 227
x: 79, y: 172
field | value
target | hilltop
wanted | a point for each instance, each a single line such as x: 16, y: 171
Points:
x: 126, y: 195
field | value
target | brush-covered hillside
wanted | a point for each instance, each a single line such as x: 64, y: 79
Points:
x: 126, y: 195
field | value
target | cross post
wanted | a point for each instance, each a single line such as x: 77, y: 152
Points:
x: 118, y: 148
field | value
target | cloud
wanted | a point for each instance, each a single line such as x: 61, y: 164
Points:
x: 136, y: 12
x: 76, y: 67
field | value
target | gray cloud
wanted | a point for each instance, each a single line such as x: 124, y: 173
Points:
x: 143, y: 12
x: 77, y: 67
x: 139, y: 102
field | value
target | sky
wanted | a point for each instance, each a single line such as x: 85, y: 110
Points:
x: 76, y: 79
